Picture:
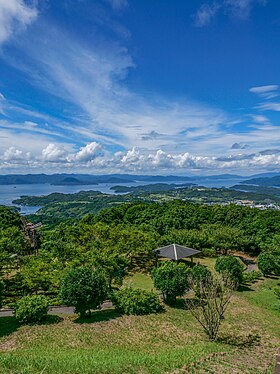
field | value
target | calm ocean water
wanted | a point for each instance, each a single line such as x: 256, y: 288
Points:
x: 12, y: 192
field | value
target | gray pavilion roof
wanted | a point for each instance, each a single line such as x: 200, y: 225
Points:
x: 176, y: 252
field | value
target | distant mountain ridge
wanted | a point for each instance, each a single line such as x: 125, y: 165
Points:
x: 265, y: 181
x: 83, y: 179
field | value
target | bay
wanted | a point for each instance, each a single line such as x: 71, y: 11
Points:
x: 8, y: 193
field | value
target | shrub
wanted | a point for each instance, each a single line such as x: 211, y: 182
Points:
x: 200, y: 272
x: 136, y: 301
x: 171, y: 279
x: 231, y: 266
x: 209, y: 252
x: 84, y: 288
x: 32, y: 309
x: 268, y: 264
x: 210, y: 302
x: 252, y: 276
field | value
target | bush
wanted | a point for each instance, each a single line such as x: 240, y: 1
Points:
x: 268, y: 264
x: 135, y: 301
x: 84, y: 288
x: 231, y: 266
x: 252, y: 276
x: 171, y: 279
x: 209, y: 252
x: 200, y: 272
x: 32, y: 309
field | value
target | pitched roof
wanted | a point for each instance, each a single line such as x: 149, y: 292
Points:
x: 176, y: 252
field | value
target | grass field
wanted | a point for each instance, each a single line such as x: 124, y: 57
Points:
x: 170, y: 342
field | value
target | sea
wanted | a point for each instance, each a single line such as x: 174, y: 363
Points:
x: 9, y: 193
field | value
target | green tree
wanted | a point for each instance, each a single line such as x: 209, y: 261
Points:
x: 171, y: 279
x: 84, y: 288
x: 269, y: 263
x: 41, y: 273
x: 230, y: 266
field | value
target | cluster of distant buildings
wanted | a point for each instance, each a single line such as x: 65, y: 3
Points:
x: 250, y: 204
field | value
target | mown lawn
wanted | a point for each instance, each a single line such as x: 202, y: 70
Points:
x: 163, y: 343
x: 139, y: 280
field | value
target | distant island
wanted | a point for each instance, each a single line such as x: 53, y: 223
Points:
x: 155, y: 187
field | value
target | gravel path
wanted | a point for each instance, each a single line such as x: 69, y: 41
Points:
x: 54, y: 310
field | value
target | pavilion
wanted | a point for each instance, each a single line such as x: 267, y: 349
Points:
x: 176, y: 252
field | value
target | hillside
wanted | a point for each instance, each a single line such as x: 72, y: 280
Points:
x: 265, y: 181
x: 57, y: 206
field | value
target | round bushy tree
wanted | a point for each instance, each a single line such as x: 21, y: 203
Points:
x: 171, y: 279
x: 230, y: 266
x: 268, y: 264
x: 31, y: 309
x: 135, y: 301
x: 84, y: 288
x: 200, y: 273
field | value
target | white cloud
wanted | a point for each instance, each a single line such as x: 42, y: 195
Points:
x: 136, y: 160
x: 267, y: 92
x: 259, y: 118
x: 14, y: 14
x: 13, y: 154
x: 54, y: 153
x: 270, y: 106
x: 88, y: 153
x: 2, y: 103
x: 238, y: 9
x: 206, y: 13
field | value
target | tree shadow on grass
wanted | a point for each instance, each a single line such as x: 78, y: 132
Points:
x: 8, y: 325
x: 100, y: 316
x: 244, y: 287
x: 179, y: 304
x: 241, y: 341
x: 271, y: 277
x: 51, y: 320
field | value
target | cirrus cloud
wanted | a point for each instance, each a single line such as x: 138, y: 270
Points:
x: 14, y: 14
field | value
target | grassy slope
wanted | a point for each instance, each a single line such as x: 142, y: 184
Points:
x: 110, y: 343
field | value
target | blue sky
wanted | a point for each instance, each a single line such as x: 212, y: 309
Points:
x: 160, y: 86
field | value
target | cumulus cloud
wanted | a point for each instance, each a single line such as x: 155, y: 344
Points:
x: 54, y: 153
x: 88, y: 153
x: 239, y: 9
x: 13, y: 155
x: 137, y: 160
x: 14, y: 14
